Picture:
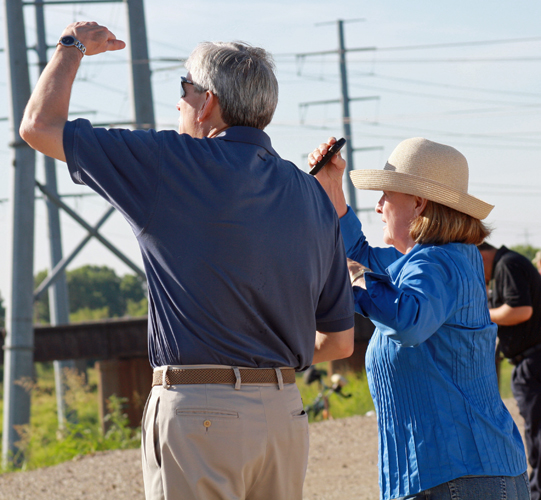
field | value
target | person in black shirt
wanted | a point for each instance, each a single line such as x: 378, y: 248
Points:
x: 514, y: 296
x: 536, y: 261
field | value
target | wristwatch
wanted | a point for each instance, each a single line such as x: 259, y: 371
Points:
x: 71, y: 41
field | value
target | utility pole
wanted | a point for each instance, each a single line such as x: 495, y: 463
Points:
x: 344, y: 102
x: 143, y: 108
x: 58, y: 293
x: 346, y: 120
x: 19, y: 343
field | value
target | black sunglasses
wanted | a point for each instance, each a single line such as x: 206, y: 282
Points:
x: 184, y: 80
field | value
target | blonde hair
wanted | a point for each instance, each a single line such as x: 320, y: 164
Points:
x: 438, y: 225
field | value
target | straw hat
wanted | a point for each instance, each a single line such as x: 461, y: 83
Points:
x: 424, y: 168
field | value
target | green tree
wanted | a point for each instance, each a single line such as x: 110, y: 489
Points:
x: 95, y: 287
x: 527, y: 250
x: 96, y: 292
x: 132, y: 287
x: 86, y: 314
x: 135, y: 309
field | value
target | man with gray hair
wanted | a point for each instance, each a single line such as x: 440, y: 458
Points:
x: 245, y: 264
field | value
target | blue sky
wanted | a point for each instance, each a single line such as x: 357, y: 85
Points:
x: 431, y: 77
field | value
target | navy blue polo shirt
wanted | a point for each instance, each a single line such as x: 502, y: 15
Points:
x: 242, y: 250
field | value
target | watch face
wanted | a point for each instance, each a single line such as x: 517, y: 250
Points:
x: 67, y: 40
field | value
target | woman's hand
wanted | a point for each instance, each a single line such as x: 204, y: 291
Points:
x: 336, y: 165
x: 356, y: 273
x: 330, y: 176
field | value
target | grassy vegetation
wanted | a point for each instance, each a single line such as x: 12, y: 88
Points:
x: 43, y: 444
x: 506, y: 369
x: 359, y: 403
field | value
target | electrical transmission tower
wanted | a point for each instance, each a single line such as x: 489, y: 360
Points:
x: 344, y: 101
x: 19, y: 342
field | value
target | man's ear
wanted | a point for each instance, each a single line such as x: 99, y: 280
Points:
x: 208, y: 107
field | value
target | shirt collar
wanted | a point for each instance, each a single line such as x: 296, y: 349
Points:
x: 248, y: 135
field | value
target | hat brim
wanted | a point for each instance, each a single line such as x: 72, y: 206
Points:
x: 388, y: 180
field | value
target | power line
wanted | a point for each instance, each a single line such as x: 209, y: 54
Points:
x: 529, y: 144
x: 497, y: 145
x: 463, y: 44
x: 383, y: 125
x: 472, y: 112
x: 450, y: 86
x: 444, y: 97
x: 449, y: 98
x: 451, y: 60
x: 419, y: 47
x: 332, y: 79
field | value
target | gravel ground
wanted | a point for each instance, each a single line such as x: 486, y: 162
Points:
x: 342, y: 465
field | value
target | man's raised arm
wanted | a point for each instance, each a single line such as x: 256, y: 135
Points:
x: 46, y: 113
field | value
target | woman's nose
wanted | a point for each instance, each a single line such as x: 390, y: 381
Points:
x: 379, y: 206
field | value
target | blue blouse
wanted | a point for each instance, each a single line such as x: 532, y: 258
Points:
x: 430, y: 366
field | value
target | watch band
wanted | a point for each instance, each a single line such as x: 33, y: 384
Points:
x: 71, y: 41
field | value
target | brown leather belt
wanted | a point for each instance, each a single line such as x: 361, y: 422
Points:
x: 176, y: 376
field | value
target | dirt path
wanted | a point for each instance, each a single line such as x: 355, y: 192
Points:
x: 342, y: 465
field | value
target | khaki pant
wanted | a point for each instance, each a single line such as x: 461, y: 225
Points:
x: 206, y: 442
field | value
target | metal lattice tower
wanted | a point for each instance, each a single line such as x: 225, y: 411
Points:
x: 19, y: 343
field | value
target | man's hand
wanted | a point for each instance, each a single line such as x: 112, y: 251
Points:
x: 95, y: 38
x: 330, y: 176
x: 46, y: 114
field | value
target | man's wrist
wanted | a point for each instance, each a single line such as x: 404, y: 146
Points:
x: 70, y: 41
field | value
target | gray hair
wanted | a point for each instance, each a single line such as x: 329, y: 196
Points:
x: 241, y: 76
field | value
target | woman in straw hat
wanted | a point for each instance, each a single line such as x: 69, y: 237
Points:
x: 444, y: 431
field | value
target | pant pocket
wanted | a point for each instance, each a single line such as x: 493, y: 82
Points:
x: 206, y: 412
x: 150, y: 437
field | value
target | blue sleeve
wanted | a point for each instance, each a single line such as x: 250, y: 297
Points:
x: 412, y: 310
x: 120, y: 165
x: 358, y: 249
x: 335, y: 311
